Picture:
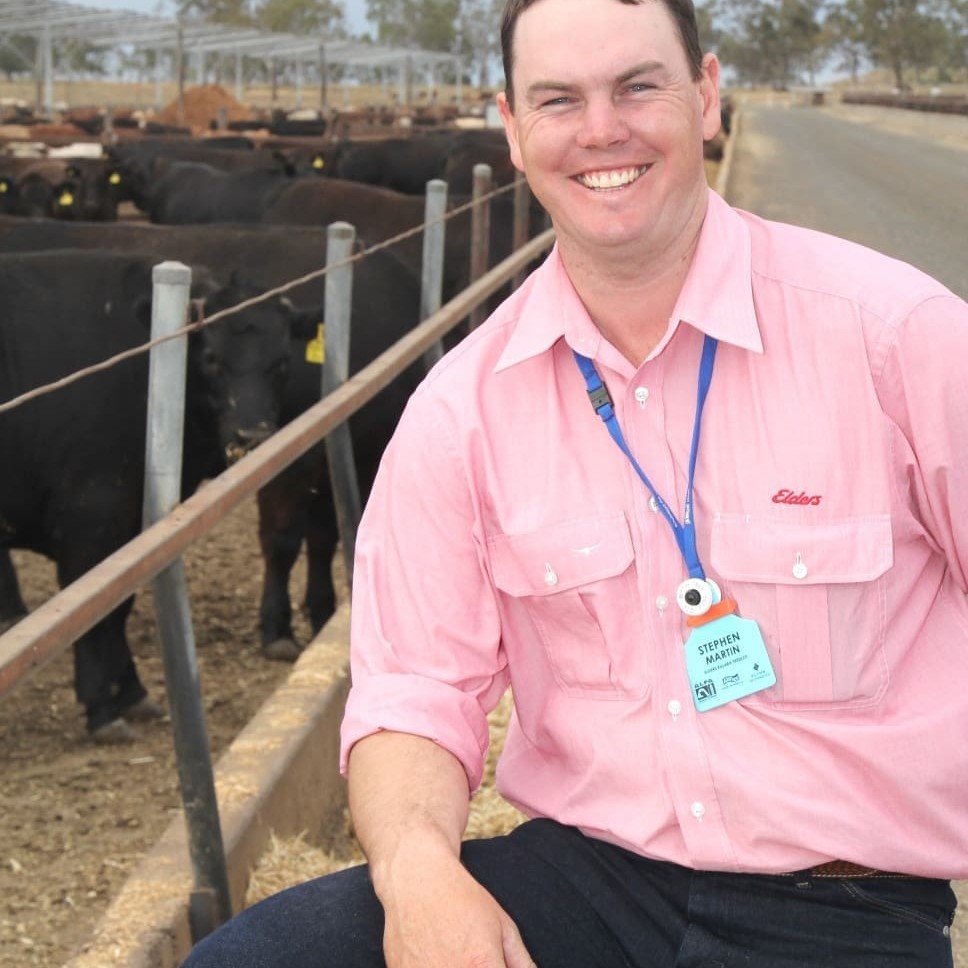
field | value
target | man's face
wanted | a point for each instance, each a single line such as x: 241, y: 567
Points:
x: 608, y: 124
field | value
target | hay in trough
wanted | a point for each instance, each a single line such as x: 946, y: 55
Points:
x: 290, y: 861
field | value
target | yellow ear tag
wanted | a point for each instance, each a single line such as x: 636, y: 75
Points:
x: 315, y: 348
x: 318, y: 162
x: 114, y: 178
x: 3, y: 187
x: 66, y: 199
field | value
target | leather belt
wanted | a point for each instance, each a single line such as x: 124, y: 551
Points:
x: 845, y: 869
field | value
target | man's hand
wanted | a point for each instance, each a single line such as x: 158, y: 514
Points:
x: 442, y: 918
x: 408, y: 798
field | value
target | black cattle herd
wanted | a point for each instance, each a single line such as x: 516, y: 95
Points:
x: 75, y: 288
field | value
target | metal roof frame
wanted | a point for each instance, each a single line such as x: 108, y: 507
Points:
x: 56, y: 20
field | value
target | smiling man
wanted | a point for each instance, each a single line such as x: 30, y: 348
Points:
x: 740, y: 723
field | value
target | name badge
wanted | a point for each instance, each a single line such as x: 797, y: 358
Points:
x: 726, y: 658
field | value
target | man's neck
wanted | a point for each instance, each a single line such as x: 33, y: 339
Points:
x: 631, y: 307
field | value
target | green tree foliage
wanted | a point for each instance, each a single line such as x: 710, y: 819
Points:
x: 232, y: 13
x: 478, y: 41
x: 783, y: 42
x: 770, y: 42
x: 18, y: 54
x: 901, y: 34
x: 301, y: 17
x: 428, y: 24
x: 78, y: 57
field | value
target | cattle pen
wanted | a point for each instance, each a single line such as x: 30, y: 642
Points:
x: 53, y: 626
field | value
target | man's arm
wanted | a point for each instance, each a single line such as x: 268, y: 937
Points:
x: 409, y: 803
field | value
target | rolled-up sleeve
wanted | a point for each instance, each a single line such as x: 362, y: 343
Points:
x: 922, y: 389
x: 426, y: 654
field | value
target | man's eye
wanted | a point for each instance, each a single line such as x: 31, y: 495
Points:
x: 640, y: 88
x: 554, y: 102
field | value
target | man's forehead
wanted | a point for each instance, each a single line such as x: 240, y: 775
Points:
x: 547, y: 40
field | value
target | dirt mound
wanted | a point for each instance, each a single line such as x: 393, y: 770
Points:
x: 202, y: 106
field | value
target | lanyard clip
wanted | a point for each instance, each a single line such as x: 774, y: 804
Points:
x: 601, y: 401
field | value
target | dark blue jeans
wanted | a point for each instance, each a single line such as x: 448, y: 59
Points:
x: 582, y: 903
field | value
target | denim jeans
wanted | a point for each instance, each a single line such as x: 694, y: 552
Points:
x: 583, y: 903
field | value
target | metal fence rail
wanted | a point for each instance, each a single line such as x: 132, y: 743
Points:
x: 47, y: 631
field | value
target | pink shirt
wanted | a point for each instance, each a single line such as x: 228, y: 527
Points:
x: 509, y: 541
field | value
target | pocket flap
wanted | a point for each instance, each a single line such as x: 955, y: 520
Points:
x: 757, y: 549
x: 561, y: 556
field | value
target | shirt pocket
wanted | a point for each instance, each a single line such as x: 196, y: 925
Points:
x: 575, y: 583
x: 817, y: 591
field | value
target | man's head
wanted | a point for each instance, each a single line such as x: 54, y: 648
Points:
x: 682, y: 12
x: 608, y: 124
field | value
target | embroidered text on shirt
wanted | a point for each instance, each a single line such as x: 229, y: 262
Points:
x: 786, y: 496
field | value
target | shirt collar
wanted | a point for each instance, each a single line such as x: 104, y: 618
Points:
x: 716, y: 298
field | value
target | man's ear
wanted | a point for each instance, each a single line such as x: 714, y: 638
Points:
x: 709, y: 92
x: 510, y: 130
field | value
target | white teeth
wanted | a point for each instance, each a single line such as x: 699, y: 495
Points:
x: 610, y: 179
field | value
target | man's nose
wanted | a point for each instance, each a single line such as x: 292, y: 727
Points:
x: 602, y: 124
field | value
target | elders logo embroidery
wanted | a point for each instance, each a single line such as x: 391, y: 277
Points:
x: 786, y: 496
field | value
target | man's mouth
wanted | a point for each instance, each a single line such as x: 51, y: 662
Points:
x: 610, y: 180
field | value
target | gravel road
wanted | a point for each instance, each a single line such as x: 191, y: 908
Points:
x: 892, y: 179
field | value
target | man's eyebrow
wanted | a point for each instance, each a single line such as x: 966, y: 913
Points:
x: 540, y: 87
x: 646, y: 67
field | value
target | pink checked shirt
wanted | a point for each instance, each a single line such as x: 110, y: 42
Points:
x: 508, y: 541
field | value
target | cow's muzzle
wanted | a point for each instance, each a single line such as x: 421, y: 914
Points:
x: 246, y: 439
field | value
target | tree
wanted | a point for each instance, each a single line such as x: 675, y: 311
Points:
x: 18, y: 54
x: 79, y: 57
x: 900, y: 34
x: 429, y: 24
x: 770, y: 42
x: 478, y: 42
x: 232, y: 13
x: 845, y: 37
x: 301, y: 17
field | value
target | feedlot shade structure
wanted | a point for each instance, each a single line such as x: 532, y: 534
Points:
x: 52, y: 20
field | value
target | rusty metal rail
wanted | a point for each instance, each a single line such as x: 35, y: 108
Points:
x: 47, y: 631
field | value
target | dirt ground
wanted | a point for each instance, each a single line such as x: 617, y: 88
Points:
x: 76, y: 818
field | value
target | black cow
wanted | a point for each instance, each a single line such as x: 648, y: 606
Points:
x: 12, y: 607
x: 74, y: 460
x: 403, y: 164
x: 142, y: 161
x: 297, y: 506
x: 185, y: 193
x: 380, y: 213
x: 69, y: 188
x: 487, y: 146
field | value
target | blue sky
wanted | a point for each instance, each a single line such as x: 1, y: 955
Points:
x: 355, y: 10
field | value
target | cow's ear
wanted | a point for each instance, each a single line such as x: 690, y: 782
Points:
x: 303, y: 321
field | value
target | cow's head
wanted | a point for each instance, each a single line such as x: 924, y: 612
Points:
x: 239, y: 365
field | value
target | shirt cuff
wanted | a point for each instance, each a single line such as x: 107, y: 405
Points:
x: 406, y: 703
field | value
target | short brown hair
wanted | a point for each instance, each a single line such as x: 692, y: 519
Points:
x: 683, y: 13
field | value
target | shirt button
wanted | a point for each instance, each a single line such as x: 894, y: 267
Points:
x: 641, y: 395
x: 662, y: 603
x: 653, y: 505
x: 799, y: 568
x: 698, y: 810
x: 550, y: 577
x: 674, y: 707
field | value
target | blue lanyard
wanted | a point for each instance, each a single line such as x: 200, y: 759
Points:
x: 685, y: 533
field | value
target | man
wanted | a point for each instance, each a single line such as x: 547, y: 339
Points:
x: 697, y: 493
